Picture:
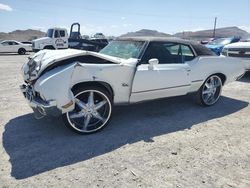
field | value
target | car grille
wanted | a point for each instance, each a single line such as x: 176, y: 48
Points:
x: 237, y: 52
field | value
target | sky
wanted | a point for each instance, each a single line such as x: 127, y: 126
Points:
x: 116, y: 17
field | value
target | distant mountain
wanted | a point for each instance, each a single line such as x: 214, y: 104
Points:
x: 220, y: 32
x: 22, y: 35
x: 145, y: 32
x: 30, y: 34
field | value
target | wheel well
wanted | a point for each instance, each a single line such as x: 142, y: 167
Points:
x: 49, y: 47
x: 21, y: 49
x: 222, y: 77
x: 103, y: 85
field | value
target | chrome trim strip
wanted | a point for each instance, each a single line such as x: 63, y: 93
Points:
x: 161, y: 88
x: 197, y: 81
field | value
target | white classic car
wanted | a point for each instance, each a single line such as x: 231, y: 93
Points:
x: 83, y: 86
x: 240, y: 50
x: 12, y: 46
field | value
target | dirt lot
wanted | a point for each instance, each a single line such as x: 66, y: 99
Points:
x: 167, y: 143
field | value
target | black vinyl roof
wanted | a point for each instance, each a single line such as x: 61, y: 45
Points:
x: 199, y: 48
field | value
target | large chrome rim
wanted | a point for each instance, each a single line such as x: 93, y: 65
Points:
x: 92, y: 111
x: 211, y: 90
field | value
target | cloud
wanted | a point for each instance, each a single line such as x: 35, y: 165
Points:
x: 4, y: 7
x: 123, y: 18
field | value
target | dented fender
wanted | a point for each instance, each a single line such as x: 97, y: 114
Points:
x: 55, y: 85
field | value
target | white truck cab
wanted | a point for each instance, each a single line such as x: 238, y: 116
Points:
x: 56, y: 38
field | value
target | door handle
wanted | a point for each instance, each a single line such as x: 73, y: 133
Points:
x: 187, y: 69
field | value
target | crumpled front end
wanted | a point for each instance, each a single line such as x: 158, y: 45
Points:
x: 50, y: 75
x: 40, y: 107
x: 50, y: 94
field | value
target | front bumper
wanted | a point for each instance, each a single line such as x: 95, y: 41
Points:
x: 40, y: 107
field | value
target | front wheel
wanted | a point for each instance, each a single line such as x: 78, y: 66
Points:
x: 93, y: 108
x: 210, y: 91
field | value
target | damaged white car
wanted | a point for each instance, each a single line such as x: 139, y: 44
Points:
x: 83, y: 86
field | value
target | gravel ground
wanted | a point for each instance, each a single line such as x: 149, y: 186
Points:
x: 165, y: 143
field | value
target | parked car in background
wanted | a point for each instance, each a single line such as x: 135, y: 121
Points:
x: 12, y: 46
x: 99, y: 36
x: 240, y: 50
x: 217, y: 45
x: 83, y: 86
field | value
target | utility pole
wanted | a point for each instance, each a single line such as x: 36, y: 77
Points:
x: 215, y: 21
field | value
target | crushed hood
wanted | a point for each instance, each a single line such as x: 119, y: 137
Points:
x: 52, y: 56
x: 49, y: 57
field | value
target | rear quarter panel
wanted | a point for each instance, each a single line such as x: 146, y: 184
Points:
x: 208, y: 65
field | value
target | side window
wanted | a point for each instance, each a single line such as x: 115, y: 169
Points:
x: 14, y: 43
x: 159, y: 51
x: 187, y: 53
x: 173, y: 48
x: 57, y: 34
x: 5, y: 43
x: 62, y: 33
x: 167, y: 53
x: 180, y: 52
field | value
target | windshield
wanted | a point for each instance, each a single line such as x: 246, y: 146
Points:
x: 245, y: 38
x: 49, y: 33
x: 222, y: 41
x: 123, y: 49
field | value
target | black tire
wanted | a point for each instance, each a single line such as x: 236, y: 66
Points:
x: 208, y: 96
x: 95, y: 122
x: 21, y: 51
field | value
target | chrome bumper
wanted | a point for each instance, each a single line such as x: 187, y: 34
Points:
x: 40, y: 107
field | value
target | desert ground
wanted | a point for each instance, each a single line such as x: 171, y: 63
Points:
x: 166, y: 143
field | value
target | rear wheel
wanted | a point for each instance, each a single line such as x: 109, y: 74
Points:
x: 21, y: 51
x: 93, y: 108
x: 210, y: 91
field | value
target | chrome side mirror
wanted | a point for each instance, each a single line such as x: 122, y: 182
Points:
x: 152, y: 62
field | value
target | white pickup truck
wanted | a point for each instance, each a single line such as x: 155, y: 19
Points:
x: 240, y: 50
x: 56, y: 38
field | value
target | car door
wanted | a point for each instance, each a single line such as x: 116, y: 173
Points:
x: 14, y: 46
x: 170, y: 77
x: 5, y: 47
x: 64, y: 37
x: 60, y: 41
